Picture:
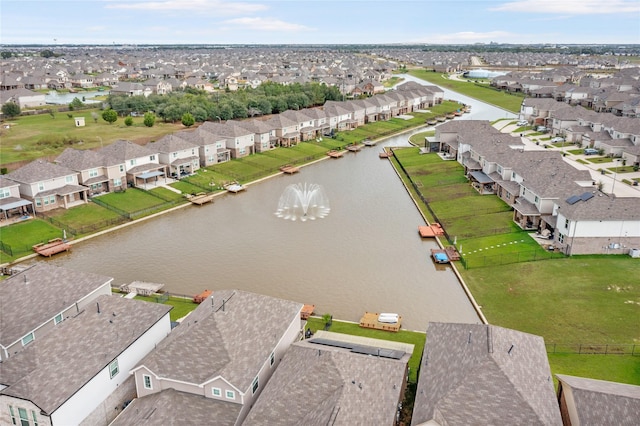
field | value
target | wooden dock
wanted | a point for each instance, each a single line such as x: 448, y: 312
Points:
x: 55, y: 246
x: 452, y: 252
x: 202, y: 198
x: 307, y: 311
x: 354, y: 148
x: 430, y: 231
x: 369, y: 142
x: 199, y: 298
x: 289, y: 169
x: 439, y: 256
x: 370, y: 320
x: 386, y: 153
x: 234, y: 187
x: 335, y: 154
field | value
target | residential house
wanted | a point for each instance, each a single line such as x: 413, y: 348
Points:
x: 82, y: 81
x: 240, y: 141
x: 49, y: 186
x: 85, y: 360
x: 22, y: 97
x: 96, y: 171
x: 484, y: 374
x: 287, y: 130
x: 586, y: 401
x: 11, y: 204
x: 127, y: 88
x: 353, y: 380
x: 218, y: 359
x: 180, y: 155
x: 142, y: 164
x: 339, y: 117
x: 33, y: 302
x: 305, y: 123
x: 212, y: 148
x: 264, y: 135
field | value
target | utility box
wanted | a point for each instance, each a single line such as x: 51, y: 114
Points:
x: 634, y: 252
x: 79, y: 121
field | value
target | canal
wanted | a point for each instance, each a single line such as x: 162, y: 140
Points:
x: 366, y: 255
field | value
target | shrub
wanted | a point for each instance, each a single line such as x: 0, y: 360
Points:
x: 128, y: 121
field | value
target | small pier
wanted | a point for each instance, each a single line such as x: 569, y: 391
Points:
x: 439, y: 256
x: 430, y: 231
x: 386, y: 153
x: 371, y: 320
x: 307, y: 311
x: 369, y: 142
x: 202, y: 198
x: 335, y: 154
x: 354, y: 147
x: 55, y: 246
x: 289, y: 169
x: 141, y: 287
x: 452, y: 253
x: 199, y: 298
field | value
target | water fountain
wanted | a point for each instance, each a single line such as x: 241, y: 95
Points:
x: 303, y: 201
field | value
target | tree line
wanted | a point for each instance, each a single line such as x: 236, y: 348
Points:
x: 268, y: 98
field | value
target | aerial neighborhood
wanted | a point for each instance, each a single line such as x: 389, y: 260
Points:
x: 83, y: 355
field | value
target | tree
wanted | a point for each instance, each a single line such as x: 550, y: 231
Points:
x: 75, y: 104
x: 47, y: 53
x: 109, y: 115
x: 149, y: 119
x: 128, y: 121
x: 187, y: 119
x: 11, y: 109
x: 6, y: 55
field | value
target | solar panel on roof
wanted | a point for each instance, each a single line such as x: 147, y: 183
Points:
x: 573, y: 199
x: 586, y: 196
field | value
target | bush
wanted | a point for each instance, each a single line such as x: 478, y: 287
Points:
x: 128, y: 121
x: 11, y: 109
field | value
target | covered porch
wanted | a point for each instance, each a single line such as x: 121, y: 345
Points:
x: 526, y: 215
x: 184, y: 167
x: 13, y: 210
x: 482, y: 182
x: 144, y: 177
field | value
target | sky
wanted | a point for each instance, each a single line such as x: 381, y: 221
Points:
x: 107, y: 22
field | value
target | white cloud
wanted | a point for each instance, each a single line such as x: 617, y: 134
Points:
x: 265, y: 24
x: 571, y: 7
x: 199, y: 6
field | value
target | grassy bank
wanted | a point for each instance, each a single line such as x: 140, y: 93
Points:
x: 506, y: 100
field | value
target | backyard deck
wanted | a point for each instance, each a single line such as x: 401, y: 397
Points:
x: 55, y: 246
x: 370, y: 320
x: 289, y: 169
x: 202, y: 198
x: 307, y: 311
x: 430, y: 231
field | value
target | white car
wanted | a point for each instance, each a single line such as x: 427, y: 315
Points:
x: 556, y: 140
x: 522, y: 123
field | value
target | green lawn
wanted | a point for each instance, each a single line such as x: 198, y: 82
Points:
x: 616, y: 368
x: 20, y: 237
x: 36, y: 136
x: 508, y: 101
x: 181, y: 306
x: 132, y: 200
x: 85, y: 219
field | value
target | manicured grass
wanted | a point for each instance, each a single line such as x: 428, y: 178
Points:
x: 598, y: 160
x: 418, y: 138
x: 616, y: 368
x: 37, y: 136
x: 508, y: 101
x: 411, y: 337
x: 84, y: 219
x: 131, y: 200
x: 181, y: 306
x: 20, y: 237
x: 581, y: 299
x: 167, y: 194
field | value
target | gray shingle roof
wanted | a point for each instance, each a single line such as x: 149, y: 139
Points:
x: 52, y: 368
x: 232, y: 343
x: 599, y: 402
x: 490, y: 374
x: 340, y: 388
x: 22, y: 303
x: 84, y: 159
x: 39, y: 170
x: 172, y: 407
x: 123, y: 150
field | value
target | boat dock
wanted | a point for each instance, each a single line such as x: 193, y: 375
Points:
x: 371, y: 320
x: 369, y: 142
x: 141, y: 287
x: 235, y: 188
x: 202, y: 198
x: 289, y: 169
x: 55, y: 246
x: 439, y: 256
x: 354, y: 148
x: 335, y: 154
x: 386, y: 153
x: 430, y: 231
x: 307, y: 311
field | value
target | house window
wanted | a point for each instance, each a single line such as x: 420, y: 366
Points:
x: 272, y: 358
x: 132, y: 162
x: 35, y: 419
x: 121, y: 168
x: 216, y: 391
x: 147, y: 381
x: 5, y: 193
x: 113, y: 368
x: 58, y: 319
x: 152, y: 157
x: 27, y: 339
x: 24, y: 419
x: 40, y: 186
x: 93, y: 173
x: 13, y: 415
x: 536, y: 199
x: 508, y: 195
x: 230, y: 394
x: 560, y: 237
x: 193, y: 151
x: 38, y: 202
x: 52, y: 199
x: 68, y: 179
x: 566, y: 223
x: 117, y: 182
x: 174, y: 154
x: 243, y: 151
x: 255, y: 385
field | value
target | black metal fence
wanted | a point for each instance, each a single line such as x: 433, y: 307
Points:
x: 593, y: 349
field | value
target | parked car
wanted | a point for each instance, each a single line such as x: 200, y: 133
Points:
x: 590, y: 151
x: 522, y: 123
x: 542, y: 129
x: 556, y: 140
